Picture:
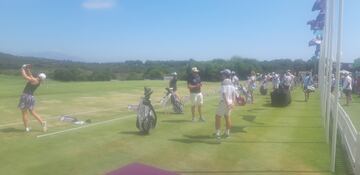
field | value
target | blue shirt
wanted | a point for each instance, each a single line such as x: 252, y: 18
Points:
x: 307, y: 81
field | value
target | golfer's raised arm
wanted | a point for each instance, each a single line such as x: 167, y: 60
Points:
x: 27, y: 74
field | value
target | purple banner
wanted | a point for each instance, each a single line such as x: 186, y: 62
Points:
x: 319, y: 5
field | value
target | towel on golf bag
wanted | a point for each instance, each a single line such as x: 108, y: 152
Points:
x: 311, y: 88
x: 280, y: 97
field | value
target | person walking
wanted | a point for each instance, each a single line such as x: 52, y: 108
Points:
x: 347, y: 88
x: 308, y: 85
x: 196, y: 97
x: 252, y: 85
x: 27, y: 99
x: 227, y: 100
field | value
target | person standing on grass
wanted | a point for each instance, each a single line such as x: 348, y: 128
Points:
x: 333, y: 83
x: 347, y: 88
x: 308, y: 82
x: 287, y: 80
x: 194, y: 84
x: 173, y: 83
x: 227, y: 100
x: 252, y: 85
x: 235, y: 80
x: 27, y: 99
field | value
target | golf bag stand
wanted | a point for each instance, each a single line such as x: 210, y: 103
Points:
x: 146, y: 116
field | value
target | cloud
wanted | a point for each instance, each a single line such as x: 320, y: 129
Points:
x: 98, y: 4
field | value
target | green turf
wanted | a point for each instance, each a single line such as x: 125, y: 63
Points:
x: 353, y: 109
x: 264, y: 140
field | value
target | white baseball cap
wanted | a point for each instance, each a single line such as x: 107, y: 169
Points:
x: 226, y: 72
x: 42, y: 76
x: 194, y: 69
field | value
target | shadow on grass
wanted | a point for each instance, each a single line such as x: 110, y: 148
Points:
x: 269, y: 105
x: 237, y: 129
x: 189, y: 139
x: 176, y: 121
x: 255, y: 109
x: 251, y: 118
x: 136, y: 133
x: 9, y: 130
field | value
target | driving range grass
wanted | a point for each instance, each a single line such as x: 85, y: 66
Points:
x: 353, y: 110
x: 264, y: 140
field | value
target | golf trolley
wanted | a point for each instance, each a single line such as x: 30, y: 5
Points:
x: 171, y: 98
x: 146, y: 115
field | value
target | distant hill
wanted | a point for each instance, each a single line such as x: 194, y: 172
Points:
x: 65, y: 70
x: 10, y: 62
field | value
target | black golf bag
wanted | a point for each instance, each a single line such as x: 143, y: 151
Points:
x: 178, y: 107
x: 281, y: 97
x: 263, y: 90
x: 146, y: 115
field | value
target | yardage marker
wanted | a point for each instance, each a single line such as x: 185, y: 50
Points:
x: 85, y: 126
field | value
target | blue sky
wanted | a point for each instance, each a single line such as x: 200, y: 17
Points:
x: 117, y: 30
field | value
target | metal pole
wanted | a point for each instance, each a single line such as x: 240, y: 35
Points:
x: 329, y: 57
x: 338, y: 58
x: 324, y: 53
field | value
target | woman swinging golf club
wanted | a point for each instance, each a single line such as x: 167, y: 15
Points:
x: 27, y: 100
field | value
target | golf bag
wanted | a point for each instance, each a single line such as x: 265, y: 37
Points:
x: 146, y: 115
x: 240, y: 100
x: 280, y: 97
x: 170, y: 97
x: 263, y: 90
x: 246, y: 93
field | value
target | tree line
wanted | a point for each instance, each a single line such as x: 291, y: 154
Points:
x: 63, y: 70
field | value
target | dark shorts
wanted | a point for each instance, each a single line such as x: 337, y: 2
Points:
x: 347, y: 92
x: 26, y: 102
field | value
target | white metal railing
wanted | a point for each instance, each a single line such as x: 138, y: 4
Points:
x: 350, y: 137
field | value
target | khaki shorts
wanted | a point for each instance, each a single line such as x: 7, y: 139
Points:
x: 223, y: 110
x: 196, y: 99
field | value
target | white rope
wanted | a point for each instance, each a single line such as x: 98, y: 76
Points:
x: 85, y: 126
